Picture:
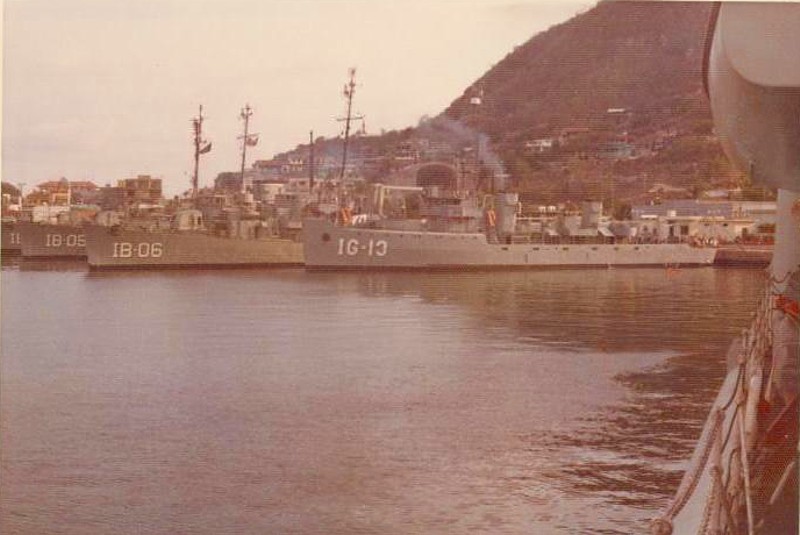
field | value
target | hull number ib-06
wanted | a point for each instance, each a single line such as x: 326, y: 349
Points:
x: 65, y: 240
x: 352, y: 247
x: 126, y: 249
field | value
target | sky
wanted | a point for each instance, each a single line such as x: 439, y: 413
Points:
x: 103, y: 90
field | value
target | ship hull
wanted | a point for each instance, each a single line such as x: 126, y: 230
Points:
x: 51, y: 241
x: 10, y: 241
x: 115, y: 248
x: 332, y: 247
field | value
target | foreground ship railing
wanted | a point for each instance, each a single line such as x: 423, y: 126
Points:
x: 742, y: 476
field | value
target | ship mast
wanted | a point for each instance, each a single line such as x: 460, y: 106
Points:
x: 247, y: 139
x: 311, y: 161
x: 349, y: 91
x: 201, y: 146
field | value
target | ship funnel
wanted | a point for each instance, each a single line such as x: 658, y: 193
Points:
x: 506, y: 206
x: 590, y: 214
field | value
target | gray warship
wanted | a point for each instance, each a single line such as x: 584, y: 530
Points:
x: 10, y: 241
x: 222, y: 232
x: 459, y: 232
x: 51, y: 240
x: 743, y: 475
x: 458, y: 229
x: 187, y: 242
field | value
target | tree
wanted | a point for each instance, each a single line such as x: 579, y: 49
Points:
x: 10, y: 189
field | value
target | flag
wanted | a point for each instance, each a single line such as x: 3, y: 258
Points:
x: 205, y: 148
x: 251, y: 141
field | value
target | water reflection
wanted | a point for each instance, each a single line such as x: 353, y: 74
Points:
x: 606, y: 310
x: 561, y: 401
x: 21, y: 263
x: 631, y: 453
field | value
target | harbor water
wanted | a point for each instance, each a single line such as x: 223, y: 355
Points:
x: 238, y: 402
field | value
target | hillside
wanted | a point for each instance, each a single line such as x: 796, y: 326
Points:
x: 642, y: 56
x: 618, y: 90
x: 606, y: 105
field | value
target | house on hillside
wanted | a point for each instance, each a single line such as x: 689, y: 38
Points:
x: 545, y: 144
x: 283, y: 166
x: 406, y: 152
x: 671, y: 192
x: 430, y: 149
x: 618, y: 117
x: 616, y: 150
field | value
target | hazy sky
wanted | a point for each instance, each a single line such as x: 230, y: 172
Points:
x: 105, y: 89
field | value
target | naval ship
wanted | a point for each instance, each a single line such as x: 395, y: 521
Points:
x: 456, y: 232
x: 743, y: 475
x: 48, y: 232
x: 10, y: 240
x: 51, y: 240
x: 56, y: 236
x: 188, y: 242
x: 207, y: 235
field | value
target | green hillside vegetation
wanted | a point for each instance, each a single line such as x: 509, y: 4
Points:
x: 615, y: 95
x: 641, y: 57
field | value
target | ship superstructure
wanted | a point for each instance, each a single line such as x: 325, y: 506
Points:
x: 214, y: 230
x: 452, y: 231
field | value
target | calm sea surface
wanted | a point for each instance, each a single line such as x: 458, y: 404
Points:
x: 241, y: 402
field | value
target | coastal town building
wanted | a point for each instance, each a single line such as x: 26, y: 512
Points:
x: 62, y: 192
x: 724, y: 221
x: 143, y: 191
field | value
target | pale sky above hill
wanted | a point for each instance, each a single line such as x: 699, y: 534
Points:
x: 105, y: 89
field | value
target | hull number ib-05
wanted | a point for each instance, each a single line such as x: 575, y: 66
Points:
x: 352, y: 247
x: 65, y: 240
x: 126, y: 249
